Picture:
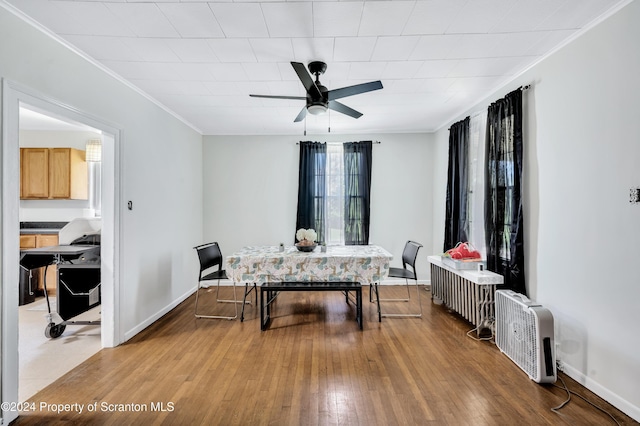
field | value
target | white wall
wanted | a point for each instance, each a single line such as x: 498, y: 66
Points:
x: 251, y: 189
x: 161, y: 169
x: 56, y: 138
x: 441, y: 164
x: 581, y: 240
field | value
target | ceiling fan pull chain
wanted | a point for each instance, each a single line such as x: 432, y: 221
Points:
x: 329, y: 121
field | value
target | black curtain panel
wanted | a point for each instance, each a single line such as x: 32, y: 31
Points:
x: 503, y: 191
x: 357, y: 192
x: 456, y: 220
x: 311, y: 188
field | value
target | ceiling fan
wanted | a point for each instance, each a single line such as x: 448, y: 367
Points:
x: 319, y: 98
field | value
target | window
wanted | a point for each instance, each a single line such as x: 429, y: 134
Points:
x: 334, y: 191
x: 334, y: 195
x: 475, y: 208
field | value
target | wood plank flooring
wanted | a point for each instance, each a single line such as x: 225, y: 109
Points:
x: 312, y: 367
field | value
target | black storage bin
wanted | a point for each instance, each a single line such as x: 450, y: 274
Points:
x: 28, y: 285
x: 78, y: 288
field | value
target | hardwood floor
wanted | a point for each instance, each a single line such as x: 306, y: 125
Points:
x: 312, y: 367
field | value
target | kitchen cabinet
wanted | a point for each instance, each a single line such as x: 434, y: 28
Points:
x: 53, y: 173
x: 28, y: 241
x: 34, y: 173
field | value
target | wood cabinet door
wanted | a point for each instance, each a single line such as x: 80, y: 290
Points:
x: 68, y: 174
x: 79, y: 184
x: 27, y: 241
x: 34, y: 173
x: 46, y: 240
x: 60, y: 173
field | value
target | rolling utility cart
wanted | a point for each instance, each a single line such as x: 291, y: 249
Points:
x: 78, y: 287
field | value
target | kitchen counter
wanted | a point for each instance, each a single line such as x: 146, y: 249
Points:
x: 25, y: 231
x: 41, y: 227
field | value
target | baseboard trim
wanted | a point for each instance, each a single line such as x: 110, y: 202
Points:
x: 155, y: 317
x: 612, y: 398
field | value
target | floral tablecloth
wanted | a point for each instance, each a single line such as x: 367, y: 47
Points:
x: 365, y: 264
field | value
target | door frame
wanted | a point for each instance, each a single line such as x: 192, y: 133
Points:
x: 14, y: 94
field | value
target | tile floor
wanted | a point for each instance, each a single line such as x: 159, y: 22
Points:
x: 44, y: 360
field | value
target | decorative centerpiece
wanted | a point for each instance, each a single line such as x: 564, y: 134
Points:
x: 306, y: 239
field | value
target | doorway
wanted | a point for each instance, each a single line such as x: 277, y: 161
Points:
x: 43, y: 357
x: 13, y: 95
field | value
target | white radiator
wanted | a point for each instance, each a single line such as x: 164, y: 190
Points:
x: 467, y: 292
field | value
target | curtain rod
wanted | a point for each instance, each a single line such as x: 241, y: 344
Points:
x: 522, y: 88
x: 374, y: 142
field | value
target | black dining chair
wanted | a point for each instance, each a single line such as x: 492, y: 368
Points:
x: 210, y: 256
x: 409, y: 257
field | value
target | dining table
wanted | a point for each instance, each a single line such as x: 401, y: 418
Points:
x: 278, y: 267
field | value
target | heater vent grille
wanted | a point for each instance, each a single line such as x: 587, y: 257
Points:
x: 524, y: 332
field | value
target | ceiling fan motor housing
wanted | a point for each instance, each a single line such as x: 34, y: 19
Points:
x: 317, y: 67
x: 317, y: 106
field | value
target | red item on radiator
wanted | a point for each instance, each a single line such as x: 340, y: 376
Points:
x: 463, y: 251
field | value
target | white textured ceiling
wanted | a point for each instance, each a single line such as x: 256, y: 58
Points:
x: 202, y: 59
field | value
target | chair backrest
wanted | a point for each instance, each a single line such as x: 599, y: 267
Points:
x: 209, y: 255
x: 410, y: 254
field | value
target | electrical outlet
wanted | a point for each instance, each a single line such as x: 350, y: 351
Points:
x: 634, y: 195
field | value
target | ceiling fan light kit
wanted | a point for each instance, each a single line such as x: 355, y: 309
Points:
x: 316, y: 109
x: 319, y: 98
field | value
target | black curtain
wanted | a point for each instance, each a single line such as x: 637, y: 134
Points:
x: 311, y: 188
x: 456, y: 219
x: 503, y: 190
x: 357, y: 192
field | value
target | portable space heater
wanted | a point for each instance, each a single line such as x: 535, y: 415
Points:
x: 524, y: 332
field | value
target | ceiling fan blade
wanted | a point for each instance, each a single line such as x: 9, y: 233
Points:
x: 279, y: 97
x: 301, y: 115
x: 354, y: 90
x: 337, y: 106
x: 306, y: 79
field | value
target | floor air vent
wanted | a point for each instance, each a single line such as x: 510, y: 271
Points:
x: 524, y: 332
